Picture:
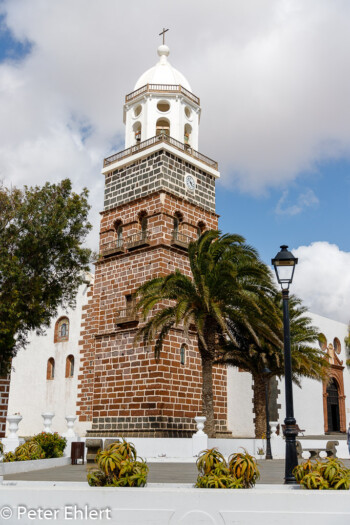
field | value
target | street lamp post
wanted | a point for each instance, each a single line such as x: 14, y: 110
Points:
x: 266, y: 373
x: 284, y: 264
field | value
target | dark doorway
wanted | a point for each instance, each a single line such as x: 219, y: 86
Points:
x: 333, y: 407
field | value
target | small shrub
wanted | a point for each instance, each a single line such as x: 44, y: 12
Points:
x: 29, y: 451
x: 214, y: 472
x: 53, y: 445
x: 26, y: 452
x: 9, y: 457
x: 323, y: 475
x: 41, y: 446
x: 1, y: 449
x: 118, y: 467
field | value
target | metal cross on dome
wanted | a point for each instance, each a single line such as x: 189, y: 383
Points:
x: 163, y: 33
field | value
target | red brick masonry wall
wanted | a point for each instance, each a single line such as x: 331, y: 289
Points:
x: 4, y: 399
x: 122, y: 389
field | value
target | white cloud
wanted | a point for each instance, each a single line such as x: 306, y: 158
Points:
x: 322, y: 280
x: 273, y: 77
x: 307, y: 199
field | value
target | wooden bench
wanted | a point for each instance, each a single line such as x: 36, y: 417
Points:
x: 330, y: 450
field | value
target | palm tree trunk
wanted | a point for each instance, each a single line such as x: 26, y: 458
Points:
x: 207, y: 394
x: 259, y: 405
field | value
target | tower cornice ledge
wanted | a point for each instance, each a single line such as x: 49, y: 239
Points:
x: 144, y: 149
x: 162, y: 88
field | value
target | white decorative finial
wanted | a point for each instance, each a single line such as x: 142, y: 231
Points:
x: 163, y: 50
x: 200, y: 420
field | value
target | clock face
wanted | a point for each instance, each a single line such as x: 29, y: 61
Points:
x: 190, y: 182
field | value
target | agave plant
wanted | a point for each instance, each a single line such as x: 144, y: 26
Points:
x: 125, y: 450
x: 216, y: 481
x: 330, y: 474
x: 96, y: 478
x: 109, y: 461
x: 214, y: 472
x: 331, y: 469
x: 341, y: 481
x: 119, y: 467
x: 314, y: 481
x: 301, y: 470
x: 29, y: 451
x: 209, y: 460
x: 139, y: 476
x: 244, y: 466
x: 235, y: 483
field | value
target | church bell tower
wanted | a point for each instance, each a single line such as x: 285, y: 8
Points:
x: 159, y: 195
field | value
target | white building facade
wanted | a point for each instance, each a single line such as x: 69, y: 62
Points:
x: 318, y: 408
x: 44, y: 376
x: 162, y: 103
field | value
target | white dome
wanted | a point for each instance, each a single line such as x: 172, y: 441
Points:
x: 162, y: 73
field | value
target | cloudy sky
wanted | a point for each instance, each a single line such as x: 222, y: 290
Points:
x: 274, y: 81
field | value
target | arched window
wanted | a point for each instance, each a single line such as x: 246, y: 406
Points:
x: 178, y: 218
x: 337, y: 345
x: 333, y: 412
x: 61, y: 330
x: 70, y: 366
x: 183, y: 354
x: 322, y: 341
x: 137, y: 131
x: 144, y: 224
x: 200, y: 228
x: 163, y: 126
x: 118, y: 225
x: 50, y: 371
x: 143, y: 219
x: 187, y: 134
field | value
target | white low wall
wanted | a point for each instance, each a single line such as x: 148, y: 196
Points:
x: 162, y: 447
x: 170, y: 505
x: 17, y: 467
x: 183, y: 448
x: 228, y: 446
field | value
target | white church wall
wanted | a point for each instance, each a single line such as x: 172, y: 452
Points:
x: 308, y: 400
x: 308, y: 406
x: 332, y: 329
x: 31, y: 393
x: 239, y: 403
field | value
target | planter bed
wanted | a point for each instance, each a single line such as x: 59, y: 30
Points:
x: 16, y: 467
x: 158, y: 504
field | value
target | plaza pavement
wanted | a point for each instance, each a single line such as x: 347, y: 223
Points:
x: 271, y: 472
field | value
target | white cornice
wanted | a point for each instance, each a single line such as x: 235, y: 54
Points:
x: 161, y: 145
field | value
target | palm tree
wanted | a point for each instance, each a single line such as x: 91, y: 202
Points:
x: 307, y: 359
x: 227, y: 279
